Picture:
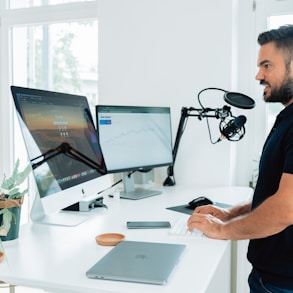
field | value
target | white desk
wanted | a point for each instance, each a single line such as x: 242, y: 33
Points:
x: 56, y: 258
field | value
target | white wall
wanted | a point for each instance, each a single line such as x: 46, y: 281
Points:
x: 245, y: 69
x: 163, y: 52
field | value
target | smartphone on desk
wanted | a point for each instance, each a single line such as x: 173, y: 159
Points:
x: 148, y: 224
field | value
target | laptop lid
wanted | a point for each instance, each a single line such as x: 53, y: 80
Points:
x: 140, y: 262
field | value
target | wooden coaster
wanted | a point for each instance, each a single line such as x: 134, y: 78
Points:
x: 2, y: 256
x: 109, y: 239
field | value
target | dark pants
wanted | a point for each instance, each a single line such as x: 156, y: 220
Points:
x: 257, y: 285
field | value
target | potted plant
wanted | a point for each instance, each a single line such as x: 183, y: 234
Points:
x: 11, y: 199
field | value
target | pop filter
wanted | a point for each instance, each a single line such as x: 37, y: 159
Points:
x: 239, y: 100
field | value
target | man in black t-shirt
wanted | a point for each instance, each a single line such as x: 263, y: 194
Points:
x: 268, y: 219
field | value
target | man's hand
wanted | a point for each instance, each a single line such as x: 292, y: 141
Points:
x: 220, y: 213
x: 207, y: 223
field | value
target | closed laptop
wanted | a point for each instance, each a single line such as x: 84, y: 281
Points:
x: 141, y: 262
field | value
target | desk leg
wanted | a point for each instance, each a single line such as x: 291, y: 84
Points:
x: 221, y: 281
x: 11, y: 287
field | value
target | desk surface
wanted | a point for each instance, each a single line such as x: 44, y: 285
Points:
x: 56, y: 258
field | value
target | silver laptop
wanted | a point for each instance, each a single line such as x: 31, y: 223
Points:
x: 140, y: 262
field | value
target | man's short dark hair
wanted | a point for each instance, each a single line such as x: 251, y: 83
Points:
x: 283, y: 39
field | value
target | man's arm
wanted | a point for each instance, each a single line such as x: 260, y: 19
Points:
x: 272, y: 216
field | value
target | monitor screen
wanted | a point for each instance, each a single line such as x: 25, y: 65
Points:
x: 62, y: 146
x: 134, y: 137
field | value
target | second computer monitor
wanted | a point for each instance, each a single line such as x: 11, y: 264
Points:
x: 134, y: 138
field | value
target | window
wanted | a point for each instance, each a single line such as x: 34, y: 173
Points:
x: 59, y: 57
x: 46, y: 49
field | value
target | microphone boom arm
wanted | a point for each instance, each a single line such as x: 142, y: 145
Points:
x: 232, y: 98
x: 200, y: 114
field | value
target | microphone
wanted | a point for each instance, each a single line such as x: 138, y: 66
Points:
x: 232, y: 130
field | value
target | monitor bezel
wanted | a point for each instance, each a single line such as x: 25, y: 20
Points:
x: 146, y: 109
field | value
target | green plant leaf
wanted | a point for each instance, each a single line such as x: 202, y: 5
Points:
x: 21, y: 176
x: 14, y: 180
x: 17, y: 194
x: 6, y: 222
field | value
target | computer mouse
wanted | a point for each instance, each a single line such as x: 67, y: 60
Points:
x: 199, y: 201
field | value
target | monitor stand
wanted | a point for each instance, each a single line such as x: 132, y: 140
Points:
x: 61, y: 218
x: 130, y: 192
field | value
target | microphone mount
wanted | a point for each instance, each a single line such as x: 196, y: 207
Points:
x: 235, y: 99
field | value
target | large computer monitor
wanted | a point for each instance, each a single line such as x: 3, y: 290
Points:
x: 64, y: 152
x: 134, y: 138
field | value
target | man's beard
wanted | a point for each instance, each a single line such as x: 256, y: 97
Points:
x: 283, y: 94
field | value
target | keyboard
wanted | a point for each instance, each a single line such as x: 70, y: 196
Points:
x: 180, y: 229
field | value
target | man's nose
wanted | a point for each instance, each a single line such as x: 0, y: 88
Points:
x: 259, y: 75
